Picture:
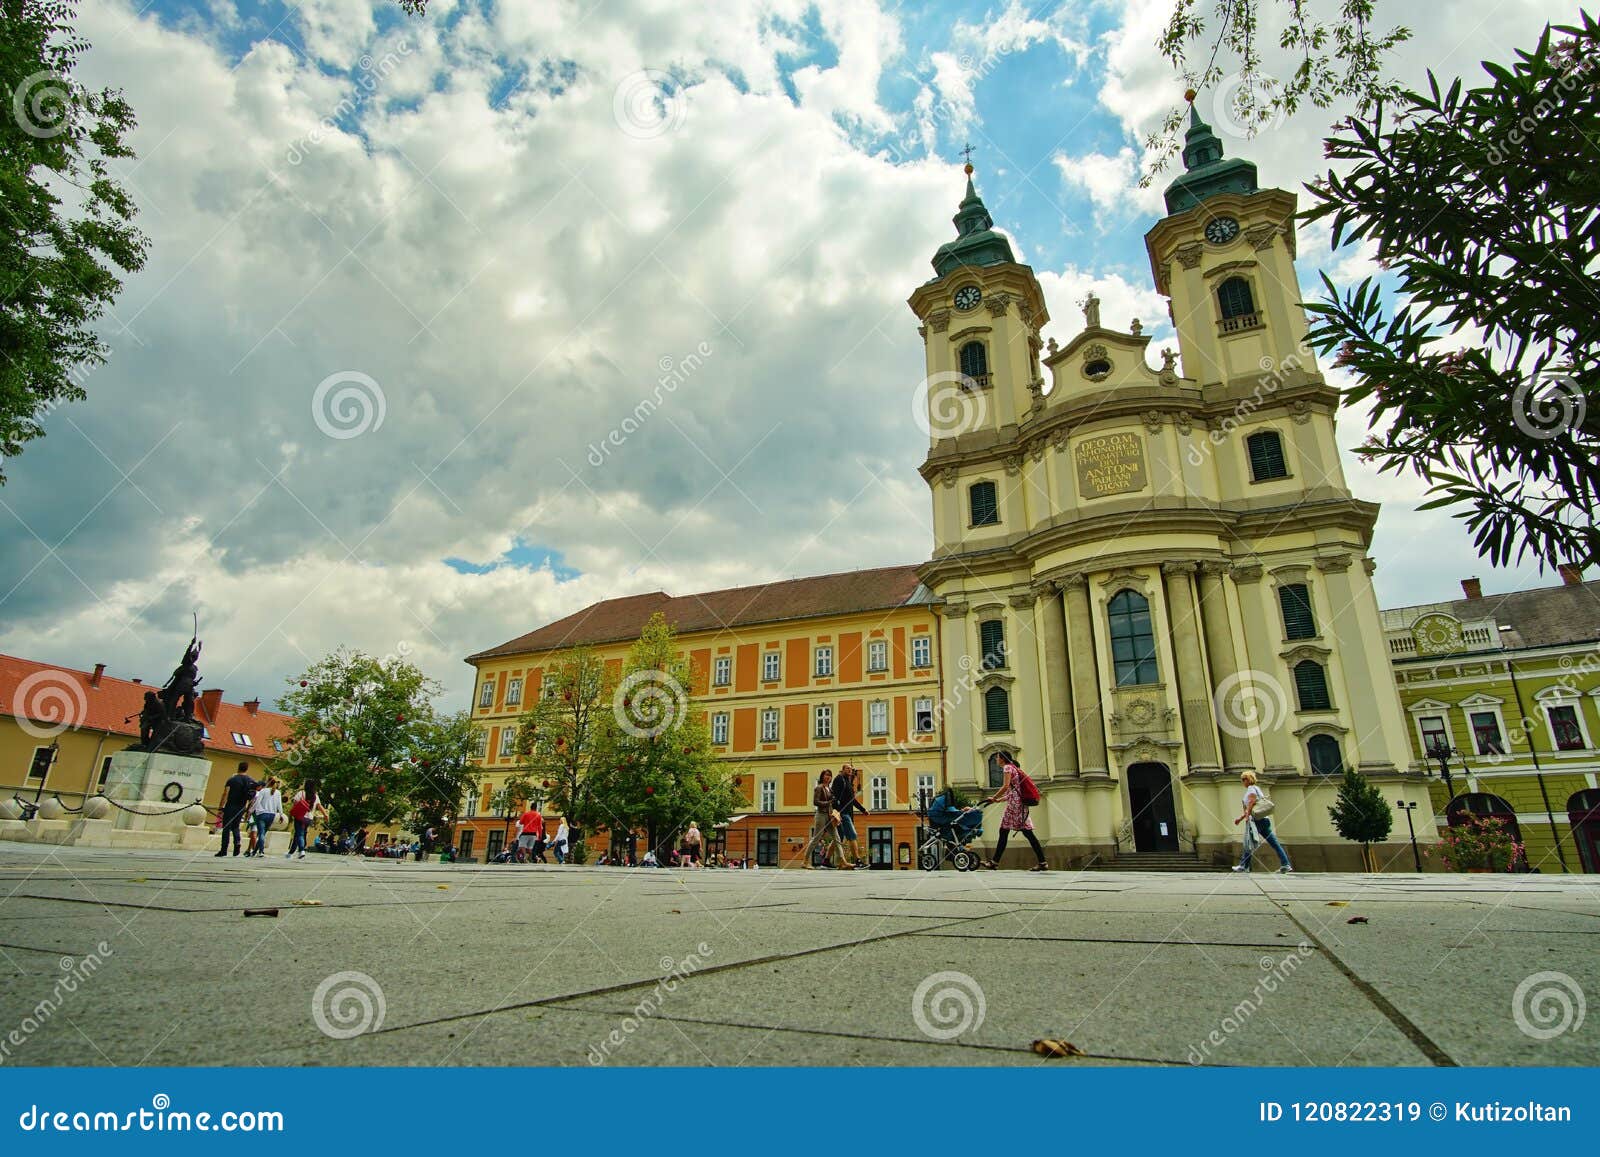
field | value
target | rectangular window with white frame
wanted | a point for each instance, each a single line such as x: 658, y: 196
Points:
x: 480, y: 744
x: 922, y: 716
x: 769, y: 796
x: 469, y: 805
x: 824, y: 661
x: 1433, y: 731
x: 514, y: 693
x: 1487, y: 738
x: 486, y: 694
x: 878, y: 717
x: 771, y: 666
x: 823, y: 718
x: 769, y: 725
x: 547, y: 688
x: 925, y: 787
x: 719, y: 728
x: 508, y: 743
x: 1567, y: 731
x: 39, y: 769
x: 722, y: 671
x: 878, y: 655
x: 880, y: 793
x: 921, y: 651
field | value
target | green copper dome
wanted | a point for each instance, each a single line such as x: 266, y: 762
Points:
x: 976, y: 241
x: 1208, y: 173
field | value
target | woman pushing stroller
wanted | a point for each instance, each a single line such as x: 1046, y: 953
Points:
x: 1016, y: 817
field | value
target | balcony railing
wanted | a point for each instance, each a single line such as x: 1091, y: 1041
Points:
x: 975, y: 381
x: 1240, y: 322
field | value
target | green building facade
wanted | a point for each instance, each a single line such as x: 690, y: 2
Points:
x: 1503, y: 693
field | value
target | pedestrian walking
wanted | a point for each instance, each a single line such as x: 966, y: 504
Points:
x: 530, y: 830
x: 303, y: 810
x: 559, y: 844
x: 691, y: 844
x: 236, y: 793
x: 847, y: 801
x: 264, y: 811
x: 1016, y: 816
x: 1258, y: 809
x: 824, y: 824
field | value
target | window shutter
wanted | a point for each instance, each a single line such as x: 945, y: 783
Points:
x: 1233, y: 295
x: 1266, y: 456
x: 985, y: 507
x: 1311, y: 685
x: 1295, y: 602
x: 992, y: 643
x: 1325, y: 757
x: 996, y: 710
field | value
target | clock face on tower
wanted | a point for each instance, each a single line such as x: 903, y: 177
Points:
x: 1221, y: 230
x: 968, y: 296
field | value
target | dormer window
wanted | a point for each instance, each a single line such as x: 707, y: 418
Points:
x: 1097, y: 369
x: 975, y: 365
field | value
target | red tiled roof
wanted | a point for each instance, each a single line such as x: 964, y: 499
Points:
x: 53, y: 695
x: 617, y: 620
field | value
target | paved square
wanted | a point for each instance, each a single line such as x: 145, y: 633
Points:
x: 147, y: 958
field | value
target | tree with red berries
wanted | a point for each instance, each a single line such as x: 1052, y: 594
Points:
x: 440, y: 772
x: 355, y: 722
x: 663, y: 773
x: 566, y: 735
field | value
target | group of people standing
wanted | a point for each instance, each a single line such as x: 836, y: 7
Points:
x: 259, y: 803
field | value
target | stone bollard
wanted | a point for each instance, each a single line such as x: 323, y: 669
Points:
x: 51, y: 809
x: 96, y: 807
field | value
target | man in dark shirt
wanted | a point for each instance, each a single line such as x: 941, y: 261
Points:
x: 236, y: 794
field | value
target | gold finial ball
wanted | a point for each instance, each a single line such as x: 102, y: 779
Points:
x: 1189, y: 94
x: 969, y: 168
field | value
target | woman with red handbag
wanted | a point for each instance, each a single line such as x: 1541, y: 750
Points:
x: 1016, y: 817
x: 302, y: 811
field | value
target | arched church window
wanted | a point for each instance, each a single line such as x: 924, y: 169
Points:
x: 975, y: 363
x: 996, y: 710
x: 1326, y: 759
x: 985, y: 504
x: 1311, y: 685
x: 1235, y: 298
x: 1265, y: 448
x: 1133, y: 641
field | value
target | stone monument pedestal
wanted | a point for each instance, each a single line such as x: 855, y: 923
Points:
x: 155, y: 785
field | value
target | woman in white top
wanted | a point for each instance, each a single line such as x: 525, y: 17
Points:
x: 1253, y: 796
x: 264, y: 811
x: 561, y: 842
x: 691, y: 845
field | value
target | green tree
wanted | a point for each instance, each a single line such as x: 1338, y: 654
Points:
x: 356, y: 721
x: 68, y: 223
x: 440, y: 771
x: 565, y: 737
x: 662, y: 773
x: 1483, y: 364
x: 1361, y: 814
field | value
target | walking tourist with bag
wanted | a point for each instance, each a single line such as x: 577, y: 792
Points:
x: 1258, y: 809
x: 264, y: 812
x: 303, y: 810
x: 1019, y: 792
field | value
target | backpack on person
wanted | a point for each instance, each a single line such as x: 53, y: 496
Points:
x: 1027, y: 790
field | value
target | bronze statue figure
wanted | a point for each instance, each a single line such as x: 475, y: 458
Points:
x: 167, y: 722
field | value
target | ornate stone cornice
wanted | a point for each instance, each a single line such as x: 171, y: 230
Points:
x: 1369, y: 564
x: 998, y: 303
x: 1022, y: 600
x: 1179, y: 567
x: 1216, y: 567
x: 939, y: 319
x: 1333, y: 562
x: 953, y: 610
x: 1189, y: 254
x: 1260, y: 236
x: 1153, y: 420
x: 1073, y: 581
x: 1250, y: 572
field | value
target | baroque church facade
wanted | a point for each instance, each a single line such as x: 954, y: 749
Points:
x: 1152, y: 579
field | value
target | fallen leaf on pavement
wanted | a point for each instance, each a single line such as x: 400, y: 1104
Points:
x: 1338, y: 903
x: 1357, y: 920
x: 442, y: 887
x: 675, y: 911
x: 1057, y: 1048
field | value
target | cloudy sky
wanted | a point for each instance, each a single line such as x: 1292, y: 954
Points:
x: 408, y: 276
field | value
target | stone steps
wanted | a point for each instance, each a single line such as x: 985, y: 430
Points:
x: 1156, y: 862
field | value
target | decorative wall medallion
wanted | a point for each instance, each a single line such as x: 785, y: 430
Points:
x: 998, y: 303
x: 1153, y: 420
x: 1328, y: 563
x: 948, y: 476
x: 1300, y: 412
x: 1438, y: 634
x: 1023, y: 600
x: 1093, y: 350
x: 1248, y: 573
x: 1184, y: 421
x: 1013, y: 464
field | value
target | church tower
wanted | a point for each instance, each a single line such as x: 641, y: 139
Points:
x: 1153, y: 577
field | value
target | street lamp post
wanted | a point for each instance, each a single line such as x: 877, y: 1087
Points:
x: 1408, y: 808
x: 1442, y: 752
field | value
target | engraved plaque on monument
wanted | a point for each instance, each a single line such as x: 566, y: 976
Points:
x: 1111, y: 464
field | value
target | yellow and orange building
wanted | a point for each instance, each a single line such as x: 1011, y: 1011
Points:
x: 792, y: 677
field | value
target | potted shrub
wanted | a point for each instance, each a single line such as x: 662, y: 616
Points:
x: 1479, y: 845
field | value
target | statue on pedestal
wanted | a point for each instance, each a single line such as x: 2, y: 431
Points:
x: 166, y: 721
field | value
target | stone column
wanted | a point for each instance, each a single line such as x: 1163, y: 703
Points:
x: 1088, y: 716
x: 1050, y: 620
x: 1236, y: 755
x: 1263, y: 638
x: 1194, y: 697
x: 955, y: 712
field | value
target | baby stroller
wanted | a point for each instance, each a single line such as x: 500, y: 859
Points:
x: 950, y: 830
